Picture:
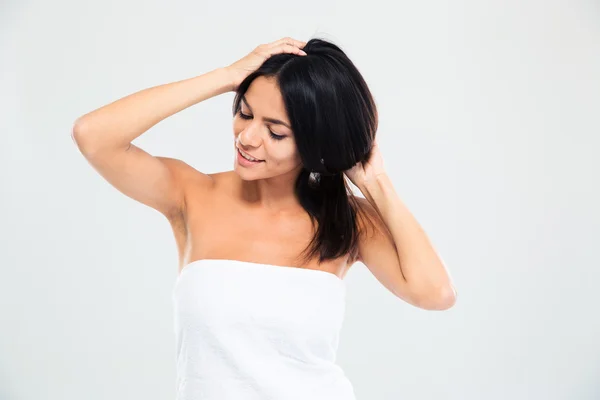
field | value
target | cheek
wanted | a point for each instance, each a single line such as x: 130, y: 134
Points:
x: 285, y: 156
x: 238, y: 125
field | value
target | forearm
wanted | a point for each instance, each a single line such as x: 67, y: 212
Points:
x: 117, y: 124
x: 420, y: 265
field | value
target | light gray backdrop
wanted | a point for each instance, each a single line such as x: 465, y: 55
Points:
x: 489, y: 129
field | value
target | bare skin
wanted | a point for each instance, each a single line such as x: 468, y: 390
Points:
x: 245, y: 214
x: 220, y: 224
x: 251, y: 213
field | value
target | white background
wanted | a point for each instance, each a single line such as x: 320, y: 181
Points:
x: 489, y: 128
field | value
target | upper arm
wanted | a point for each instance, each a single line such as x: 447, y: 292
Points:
x: 158, y: 182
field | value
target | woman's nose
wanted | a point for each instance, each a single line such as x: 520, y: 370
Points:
x: 250, y: 136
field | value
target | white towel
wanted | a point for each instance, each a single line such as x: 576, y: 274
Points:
x: 250, y: 331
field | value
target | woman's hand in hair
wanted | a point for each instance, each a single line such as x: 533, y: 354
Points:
x: 365, y: 172
x: 240, y: 69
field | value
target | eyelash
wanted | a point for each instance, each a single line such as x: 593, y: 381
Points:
x: 274, y: 136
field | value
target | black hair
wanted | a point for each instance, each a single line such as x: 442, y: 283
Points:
x: 334, y: 119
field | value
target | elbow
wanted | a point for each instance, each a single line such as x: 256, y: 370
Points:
x: 80, y: 126
x: 447, y: 299
x: 437, y: 300
x: 84, y: 137
x: 77, y: 133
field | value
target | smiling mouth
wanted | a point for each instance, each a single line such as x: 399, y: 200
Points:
x: 242, y: 153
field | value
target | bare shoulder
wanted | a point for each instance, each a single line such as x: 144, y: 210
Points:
x: 186, y: 174
x: 189, y: 178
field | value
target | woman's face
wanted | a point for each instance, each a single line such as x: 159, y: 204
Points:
x: 262, y: 130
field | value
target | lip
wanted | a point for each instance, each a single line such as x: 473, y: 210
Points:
x: 241, y: 161
x: 248, y: 154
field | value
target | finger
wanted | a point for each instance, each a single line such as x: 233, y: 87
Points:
x: 289, y: 40
x: 292, y: 41
x: 295, y: 42
x: 289, y: 48
x: 286, y: 48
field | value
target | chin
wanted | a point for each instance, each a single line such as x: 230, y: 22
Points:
x: 246, y: 174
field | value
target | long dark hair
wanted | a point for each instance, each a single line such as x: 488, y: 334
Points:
x: 334, y: 120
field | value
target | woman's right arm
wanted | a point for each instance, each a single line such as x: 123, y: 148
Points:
x: 104, y: 137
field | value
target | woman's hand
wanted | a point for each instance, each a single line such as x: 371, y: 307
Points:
x: 240, y: 69
x: 365, y: 172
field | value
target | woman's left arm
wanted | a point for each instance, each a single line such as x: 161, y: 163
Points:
x: 402, y: 258
x: 423, y: 271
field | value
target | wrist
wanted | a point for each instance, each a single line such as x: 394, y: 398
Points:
x: 373, y: 182
x: 228, y: 76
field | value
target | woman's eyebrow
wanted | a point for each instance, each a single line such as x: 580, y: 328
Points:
x: 272, y: 120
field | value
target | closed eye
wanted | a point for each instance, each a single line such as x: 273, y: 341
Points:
x: 274, y: 136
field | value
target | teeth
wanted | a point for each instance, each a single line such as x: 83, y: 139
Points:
x: 247, y: 157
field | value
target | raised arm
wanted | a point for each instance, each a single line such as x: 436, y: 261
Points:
x: 104, y: 137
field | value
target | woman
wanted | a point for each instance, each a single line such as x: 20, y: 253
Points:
x: 263, y: 249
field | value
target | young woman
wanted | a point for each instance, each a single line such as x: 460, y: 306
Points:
x: 263, y: 249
